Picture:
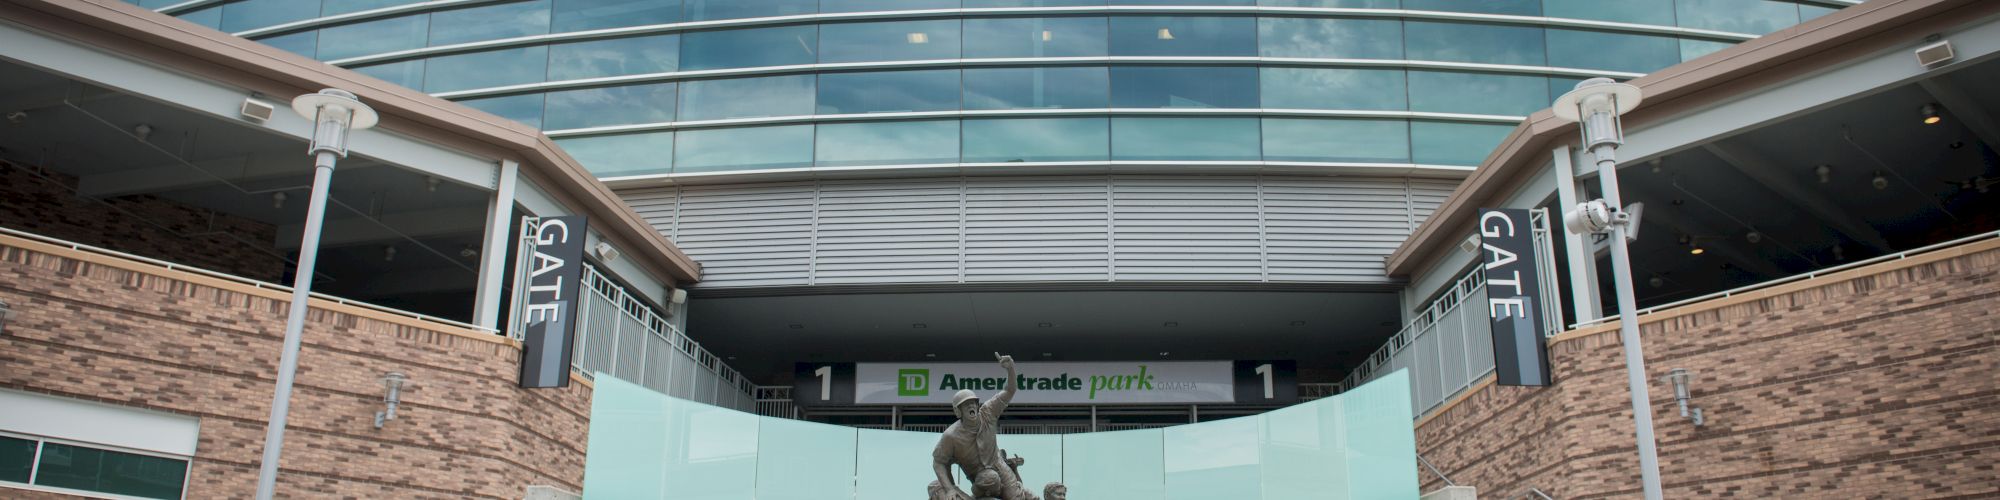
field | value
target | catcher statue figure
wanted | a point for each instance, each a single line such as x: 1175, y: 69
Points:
x: 971, y: 444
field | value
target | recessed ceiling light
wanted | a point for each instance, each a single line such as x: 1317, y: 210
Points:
x: 1163, y: 353
x: 919, y: 325
x: 1047, y: 354
x: 1298, y: 323
x: 1044, y: 325
x: 919, y: 38
x: 1171, y: 324
x: 930, y: 355
x: 796, y: 326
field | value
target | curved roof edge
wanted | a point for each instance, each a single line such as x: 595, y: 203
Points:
x: 163, y: 40
x: 1735, y: 71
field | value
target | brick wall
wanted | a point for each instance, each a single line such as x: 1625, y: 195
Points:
x: 1882, y: 382
x: 105, y: 330
x: 44, y: 202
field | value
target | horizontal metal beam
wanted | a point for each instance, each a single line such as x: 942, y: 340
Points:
x: 1770, y: 173
x: 237, y: 170
x: 361, y: 230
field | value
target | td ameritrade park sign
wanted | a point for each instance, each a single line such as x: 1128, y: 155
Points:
x: 1049, y: 383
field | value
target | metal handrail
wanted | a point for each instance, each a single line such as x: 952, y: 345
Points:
x: 1797, y: 277
x: 234, y: 278
x: 1434, y: 470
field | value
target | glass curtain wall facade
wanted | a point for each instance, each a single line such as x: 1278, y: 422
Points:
x: 650, y: 87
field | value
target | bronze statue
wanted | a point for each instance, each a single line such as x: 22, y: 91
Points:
x: 971, y: 443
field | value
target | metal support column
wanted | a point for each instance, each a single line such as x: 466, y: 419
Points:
x: 493, y: 252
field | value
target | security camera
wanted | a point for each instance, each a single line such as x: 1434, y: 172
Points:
x: 1590, y: 217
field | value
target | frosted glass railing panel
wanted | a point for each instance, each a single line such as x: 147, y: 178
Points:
x: 628, y: 440
x: 1381, y: 442
x: 1213, y: 460
x: 711, y: 453
x: 894, y: 465
x: 799, y: 460
x: 1120, y: 464
x: 1305, y: 451
x: 1043, y: 455
x: 1358, y: 445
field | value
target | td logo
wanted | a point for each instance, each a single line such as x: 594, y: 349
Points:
x: 913, y: 382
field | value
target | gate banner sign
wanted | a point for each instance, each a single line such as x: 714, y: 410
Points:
x: 555, y: 271
x: 1513, y: 297
x: 1134, y: 382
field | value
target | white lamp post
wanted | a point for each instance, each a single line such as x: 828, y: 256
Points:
x: 1595, y: 106
x: 334, y: 113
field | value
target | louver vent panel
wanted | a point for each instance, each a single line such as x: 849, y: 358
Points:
x: 1053, y: 228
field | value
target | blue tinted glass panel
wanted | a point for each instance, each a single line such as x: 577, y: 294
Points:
x: 1756, y: 17
x: 210, y: 17
x: 1183, y: 36
x: 491, y: 22
x: 747, y: 97
x: 1654, y: 12
x: 751, y: 148
x: 1811, y: 12
x: 881, y: 5
x: 1183, y: 2
x: 1362, y: 141
x: 1197, y: 139
x: 1037, y: 139
x: 584, y: 15
x: 888, y: 91
x: 703, y: 10
x: 749, y: 47
x: 1330, y: 38
x: 1477, y: 43
x: 487, y: 69
x: 1183, y: 87
x: 373, y: 37
x: 892, y: 41
x: 1034, y: 37
x: 886, y: 143
x: 77, y: 467
x: 614, y: 57
x: 1477, y: 93
x: 1037, y: 88
x: 1691, y: 49
x: 1559, y: 85
x: 1351, y: 4
x: 525, y: 108
x: 972, y: 4
x: 305, y: 43
x: 409, y: 74
x: 1440, y: 143
x: 620, y: 155
x: 17, y: 459
x: 1612, y: 51
x: 610, y: 106
x: 1333, y: 88
x: 1514, y: 7
x: 253, y: 14
x: 334, y: 7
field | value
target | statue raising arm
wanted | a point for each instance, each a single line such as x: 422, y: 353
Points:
x: 1005, y: 396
